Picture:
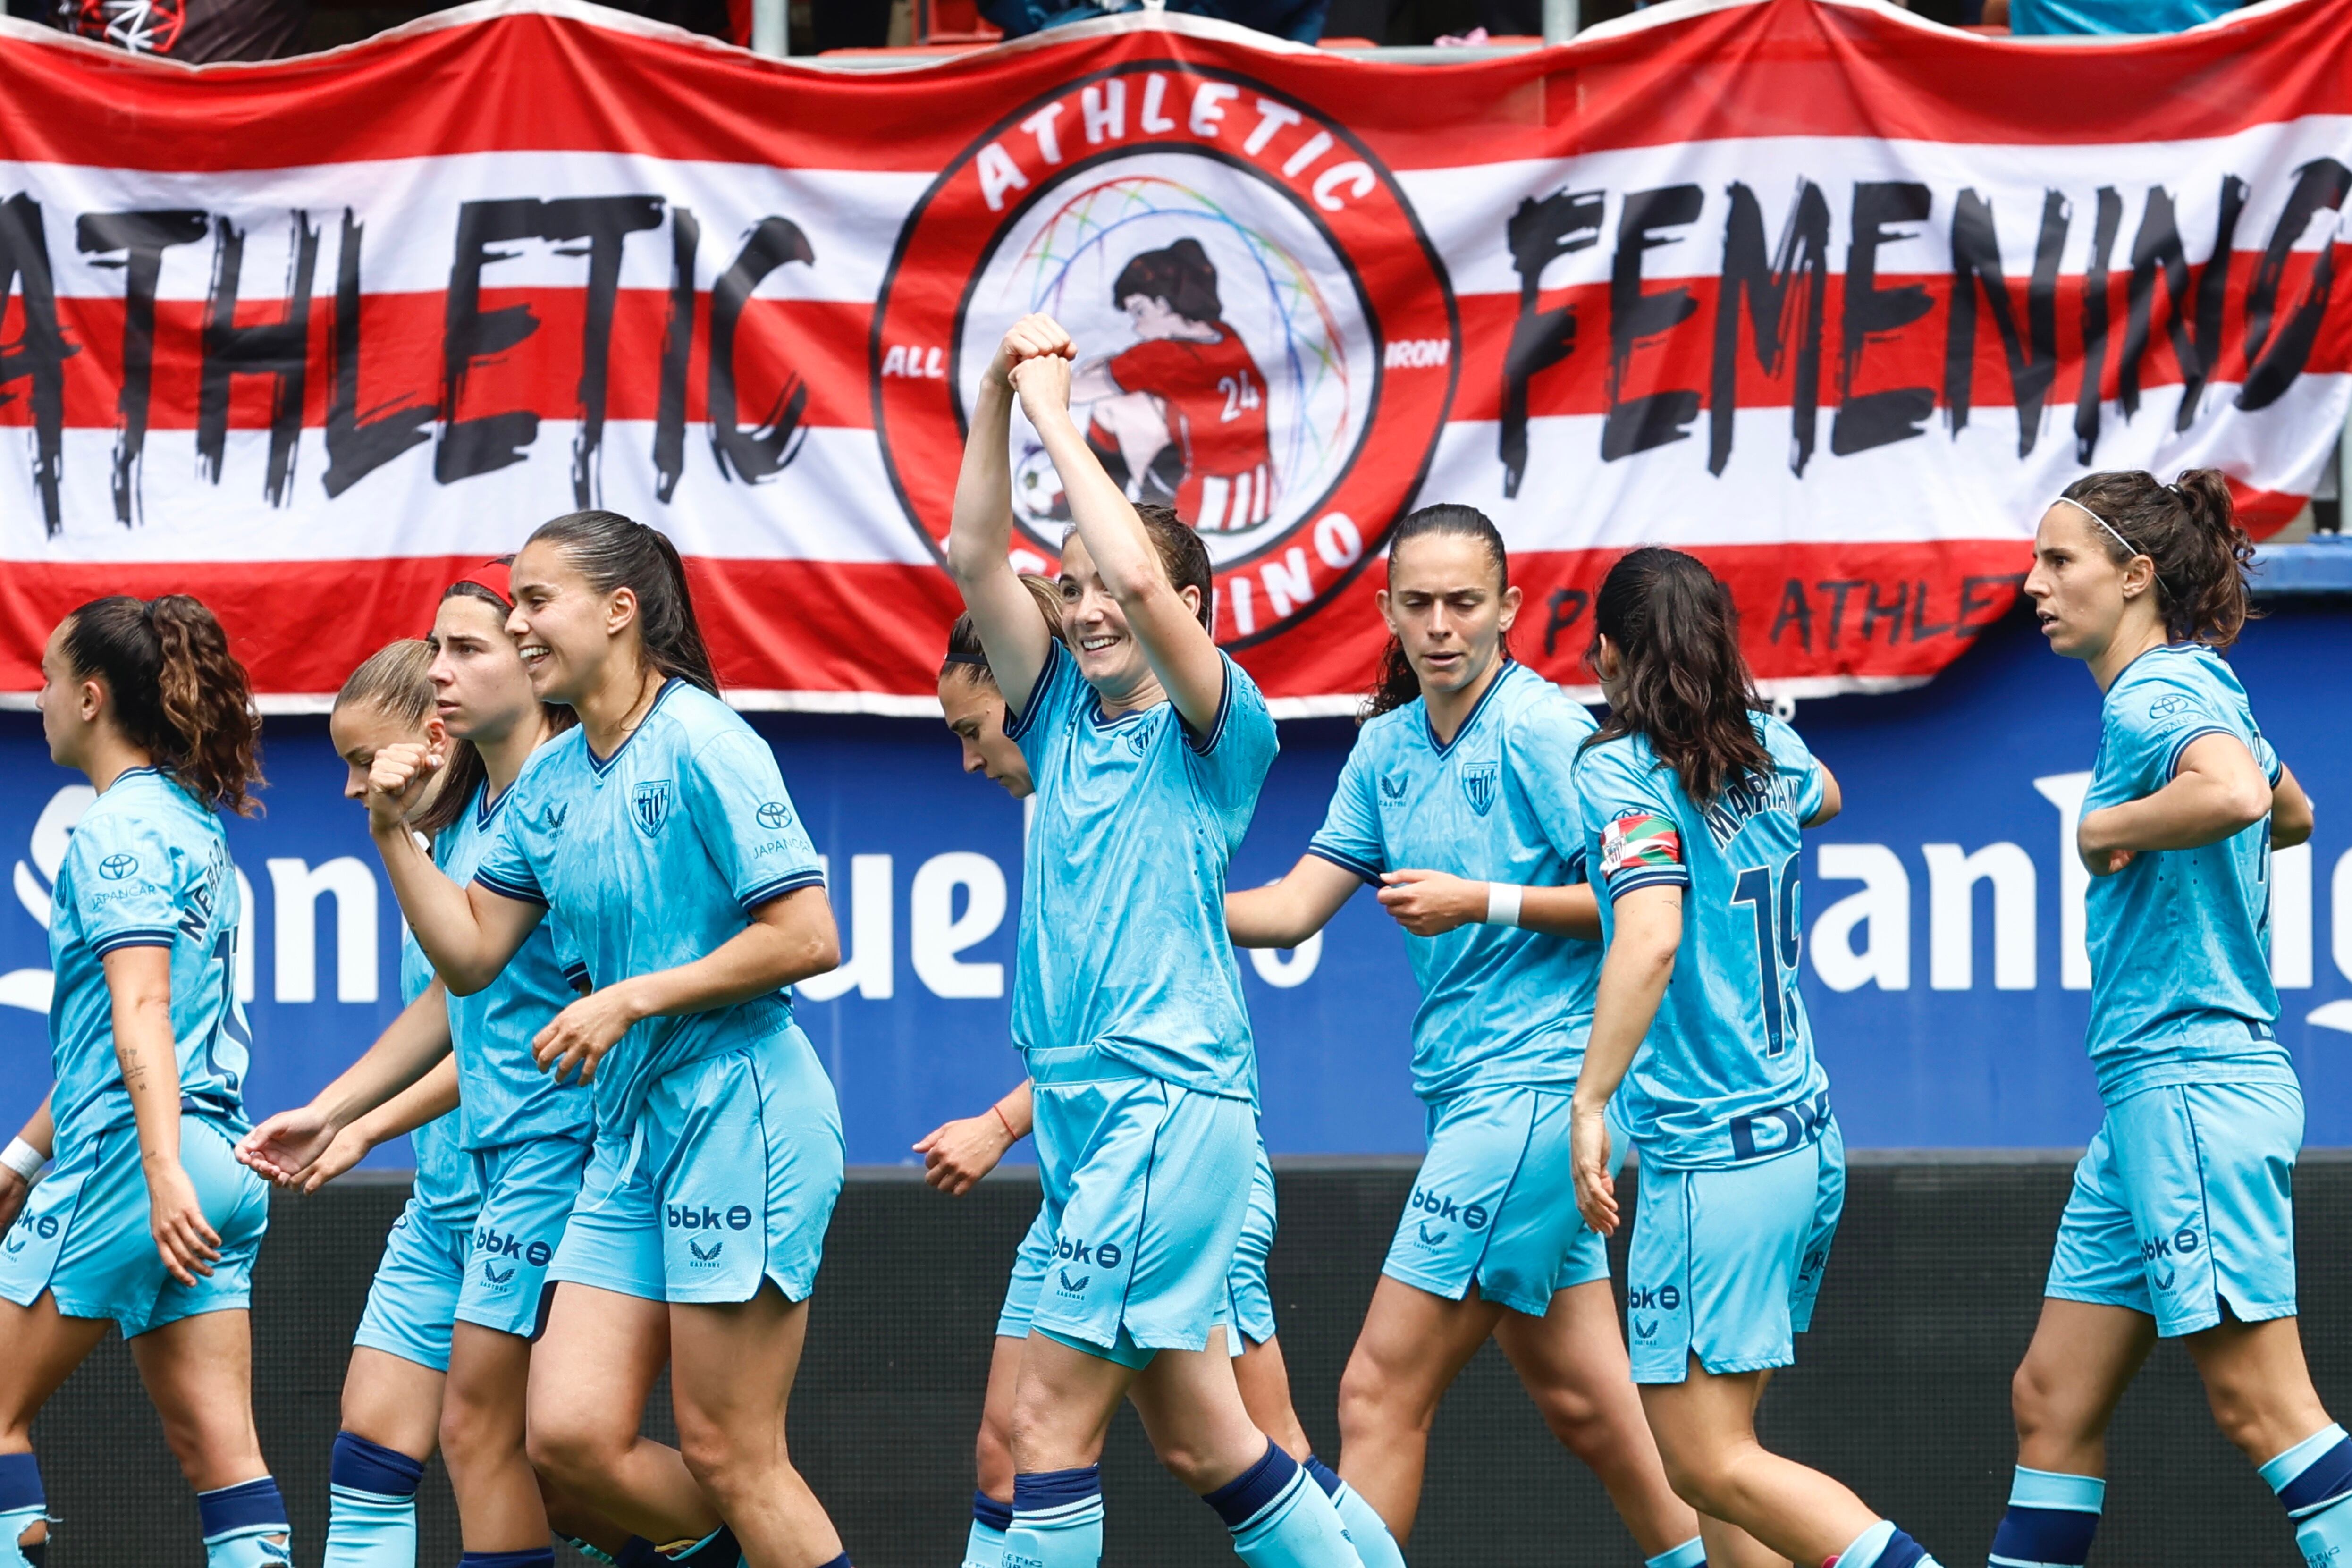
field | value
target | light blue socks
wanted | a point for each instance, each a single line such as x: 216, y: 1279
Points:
x: 2051, y: 1520
x: 371, y: 1505
x: 984, y: 1547
x: 1368, y: 1532
x: 2313, y: 1480
x: 245, y: 1526
x: 1057, y: 1520
x: 1279, y: 1518
x: 1691, y: 1553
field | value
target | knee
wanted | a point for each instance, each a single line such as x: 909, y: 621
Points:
x: 1371, y: 1403
x: 471, y: 1427
x: 570, y: 1453
x: 2035, y: 1400
x: 2243, y: 1416
x: 725, y: 1464
x: 1700, y: 1474
x: 1579, y: 1422
x: 1190, y: 1464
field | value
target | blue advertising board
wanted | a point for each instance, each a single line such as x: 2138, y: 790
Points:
x: 1943, y: 915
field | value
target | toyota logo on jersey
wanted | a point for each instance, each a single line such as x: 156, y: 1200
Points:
x: 1199, y: 234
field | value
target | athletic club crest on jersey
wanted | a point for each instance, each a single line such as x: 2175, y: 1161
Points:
x: 649, y: 806
x: 1204, y: 239
x: 1478, y: 782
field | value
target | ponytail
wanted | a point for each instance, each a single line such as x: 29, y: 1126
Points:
x: 613, y: 552
x: 178, y: 694
x: 1396, y: 684
x: 1683, y: 682
x: 2188, y: 530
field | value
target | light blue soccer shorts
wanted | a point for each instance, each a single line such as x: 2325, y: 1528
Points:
x: 728, y: 1179
x: 1725, y: 1262
x: 1249, y: 1304
x: 1147, y: 1192
x: 84, y: 1232
x: 1496, y: 1203
x: 528, y: 1190
x: 413, y: 1301
x: 2185, y: 1200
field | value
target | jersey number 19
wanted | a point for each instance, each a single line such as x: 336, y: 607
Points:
x: 1779, y: 941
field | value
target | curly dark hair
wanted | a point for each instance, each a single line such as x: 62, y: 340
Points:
x: 178, y: 694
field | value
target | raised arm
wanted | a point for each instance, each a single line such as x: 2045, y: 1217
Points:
x: 1633, y: 977
x: 979, y: 534
x: 1179, y: 649
x: 1286, y: 913
x: 789, y: 938
x: 2217, y: 790
x: 2291, y: 813
x: 469, y: 932
x: 284, y: 1146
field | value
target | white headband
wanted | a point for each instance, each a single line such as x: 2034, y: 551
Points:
x: 2111, y: 531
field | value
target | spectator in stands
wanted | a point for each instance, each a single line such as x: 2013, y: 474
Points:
x: 2047, y: 16
x: 1300, y: 21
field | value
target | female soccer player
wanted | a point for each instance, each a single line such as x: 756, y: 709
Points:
x: 1148, y: 747
x: 2180, y: 1224
x: 1462, y: 772
x: 658, y: 834
x: 524, y: 1135
x: 148, y: 1220
x: 1692, y: 801
x: 958, y: 1154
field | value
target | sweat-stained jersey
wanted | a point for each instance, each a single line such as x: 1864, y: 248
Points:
x: 1123, y: 943
x: 147, y: 866
x: 2179, y: 938
x: 653, y: 858
x: 1727, y: 1073
x: 1499, y: 1006
x: 505, y: 1098
x: 1215, y: 402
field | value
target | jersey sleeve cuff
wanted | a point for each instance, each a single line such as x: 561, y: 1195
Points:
x: 768, y: 891
x: 138, y: 936
x: 521, y: 892
x: 2182, y: 742
x: 1345, y: 862
x: 1204, y: 744
x: 1625, y: 882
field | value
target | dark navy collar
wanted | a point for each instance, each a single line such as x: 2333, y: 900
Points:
x: 604, y: 764
x: 1502, y: 674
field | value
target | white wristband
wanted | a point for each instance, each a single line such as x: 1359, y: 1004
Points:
x: 23, y: 1158
x: 1503, y: 903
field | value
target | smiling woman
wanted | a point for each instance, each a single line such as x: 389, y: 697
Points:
x: 709, y: 1099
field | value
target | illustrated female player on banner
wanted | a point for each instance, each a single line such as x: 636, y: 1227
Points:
x: 1184, y: 410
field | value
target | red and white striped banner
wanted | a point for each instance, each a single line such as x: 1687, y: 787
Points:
x: 1833, y: 296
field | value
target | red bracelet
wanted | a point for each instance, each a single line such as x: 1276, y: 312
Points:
x: 1008, y: 1126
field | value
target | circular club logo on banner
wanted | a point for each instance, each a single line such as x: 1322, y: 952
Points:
x: 1266, y: 341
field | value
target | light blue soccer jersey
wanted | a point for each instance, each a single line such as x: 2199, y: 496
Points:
x: 444, y: 1183
x: 1123, y: 943
x: 653, y: 858
x: 504, y: 1097
x: 2179, y: 938
x: 148, y: 866
x: 1499, y: 1006
x: 1727, y: 1073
